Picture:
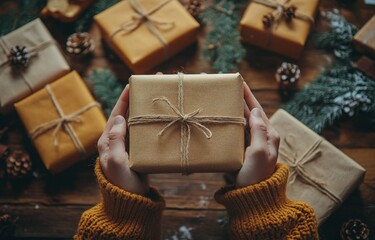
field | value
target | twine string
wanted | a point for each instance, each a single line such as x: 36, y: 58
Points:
x: 297, y: 165
x: 141, y: 16
x: 186, y: 121
x: 63, y: 122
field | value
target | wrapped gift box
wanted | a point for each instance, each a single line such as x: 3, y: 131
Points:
x: 364, y: 40
x: 319, y: 174
x: 138, y: 46
x: 160, y: 140
x: 284, y: 37
x: 76, y: 137
x: 45, y: 64
x: 65, y: 12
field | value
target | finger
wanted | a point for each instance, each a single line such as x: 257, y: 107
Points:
x: 258, y: 130
x: 247, y: 111
x: 116, y: 143
x: 120, y: 108
x: 273, y: 143
x: 252, y: 102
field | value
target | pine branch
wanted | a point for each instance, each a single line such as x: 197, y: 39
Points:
x: 107, y: 89
x: 84, y: 22
x: 223, y: 47
x: 27, y: 11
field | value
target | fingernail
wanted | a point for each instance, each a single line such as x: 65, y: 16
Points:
x: 119, y: 120
x: 256, y: 112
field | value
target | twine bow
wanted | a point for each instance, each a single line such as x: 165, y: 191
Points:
x: 33, y: 51
x: 297, y: 165
x: 62, y: 122
x: 281, y: 9
x: 186, y: 121
x: 141, y: 16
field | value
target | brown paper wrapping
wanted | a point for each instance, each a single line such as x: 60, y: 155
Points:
x: 48, y: 65
x: 364, y: 40
x: 336, y: 171
x: 72, y: 95
x: 70, y: 14
x: 140, y: 49
x: 215, y: 94
x: 288, y: 38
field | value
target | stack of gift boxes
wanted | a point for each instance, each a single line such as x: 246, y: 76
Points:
x: 189, y: 123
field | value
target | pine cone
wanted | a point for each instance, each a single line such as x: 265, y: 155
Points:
x: 355, y: 229
x: 80, y: 44
x: 290, y: 13
x: 7, y: 226
x: 194, y: 7
x: 352, y: 102
x: 287, y: 75
x: 19, y: 56
x: 18, y: 163
x: 268, y: 20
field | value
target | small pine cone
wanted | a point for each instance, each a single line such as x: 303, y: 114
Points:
x: 287, y: 75
x: 268, y: 20
x: 80, y: 44
x: 355, y: 229
x: 194, y: 7
x: 19, y: 56
x: 18, y: 163
x: 290, y: 13
x: 7, y: 226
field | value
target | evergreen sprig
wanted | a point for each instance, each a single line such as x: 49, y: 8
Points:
x: 106, y: 87
x: 342, y: 91
x: 84, y: 22
x: 223, y: 47
x: 26, y: 11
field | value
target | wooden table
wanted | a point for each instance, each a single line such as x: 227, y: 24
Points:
x: 49, y: 207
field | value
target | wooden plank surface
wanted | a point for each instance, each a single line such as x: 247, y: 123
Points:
x: 49, y: 207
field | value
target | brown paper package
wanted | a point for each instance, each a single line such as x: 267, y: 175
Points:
x: 215, y: 95
x: 48, y: 65
x: 140, y: 49
x: 288, y: 38
x: 335, y: 170
x: 364, y: 40
x: 72, y: 95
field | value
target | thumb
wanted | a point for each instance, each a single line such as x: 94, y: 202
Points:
x: 117, y: 135
x: 258, y: 130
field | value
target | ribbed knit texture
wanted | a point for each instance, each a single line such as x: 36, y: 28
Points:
x: 262, y: 211
x: 121, y: 215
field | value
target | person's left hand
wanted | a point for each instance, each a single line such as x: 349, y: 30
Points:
x: 114, y: 159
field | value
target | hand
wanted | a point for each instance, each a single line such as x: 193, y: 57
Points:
x: 114, y: 159
x: 261, y: 154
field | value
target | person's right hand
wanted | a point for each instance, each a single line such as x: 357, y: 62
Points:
x: 261, y: 154
x: 114, y: 159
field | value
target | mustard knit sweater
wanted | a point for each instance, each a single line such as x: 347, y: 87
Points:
x: 259, y: 211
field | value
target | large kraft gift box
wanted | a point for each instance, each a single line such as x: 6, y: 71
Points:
x: 364, y: 39
x: 186, y: 123
x: 139, y: 44
x: 285, y: 37
x: 319, y: 173
x: 64, y: 122
x: 46, y: 63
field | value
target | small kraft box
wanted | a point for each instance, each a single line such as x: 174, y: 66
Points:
x: 186, y: 123
x: 364, y: 39
x: 30, y: 58
x: 279, y: 27
x: 64, y: 122
x: 319, y: 173
x: 145, y: 33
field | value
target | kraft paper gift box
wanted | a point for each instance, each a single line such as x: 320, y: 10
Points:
x: 64, y: 122
x: 319, y: 173
x: 46, y: 63
x: 364, y: 39
x: 186, y: 123
x: 145, y: 42
x: 286, y: 37
x: 66, y: 12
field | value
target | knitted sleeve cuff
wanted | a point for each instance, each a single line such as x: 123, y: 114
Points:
x: 120, y: 205
x: 256, y: 199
